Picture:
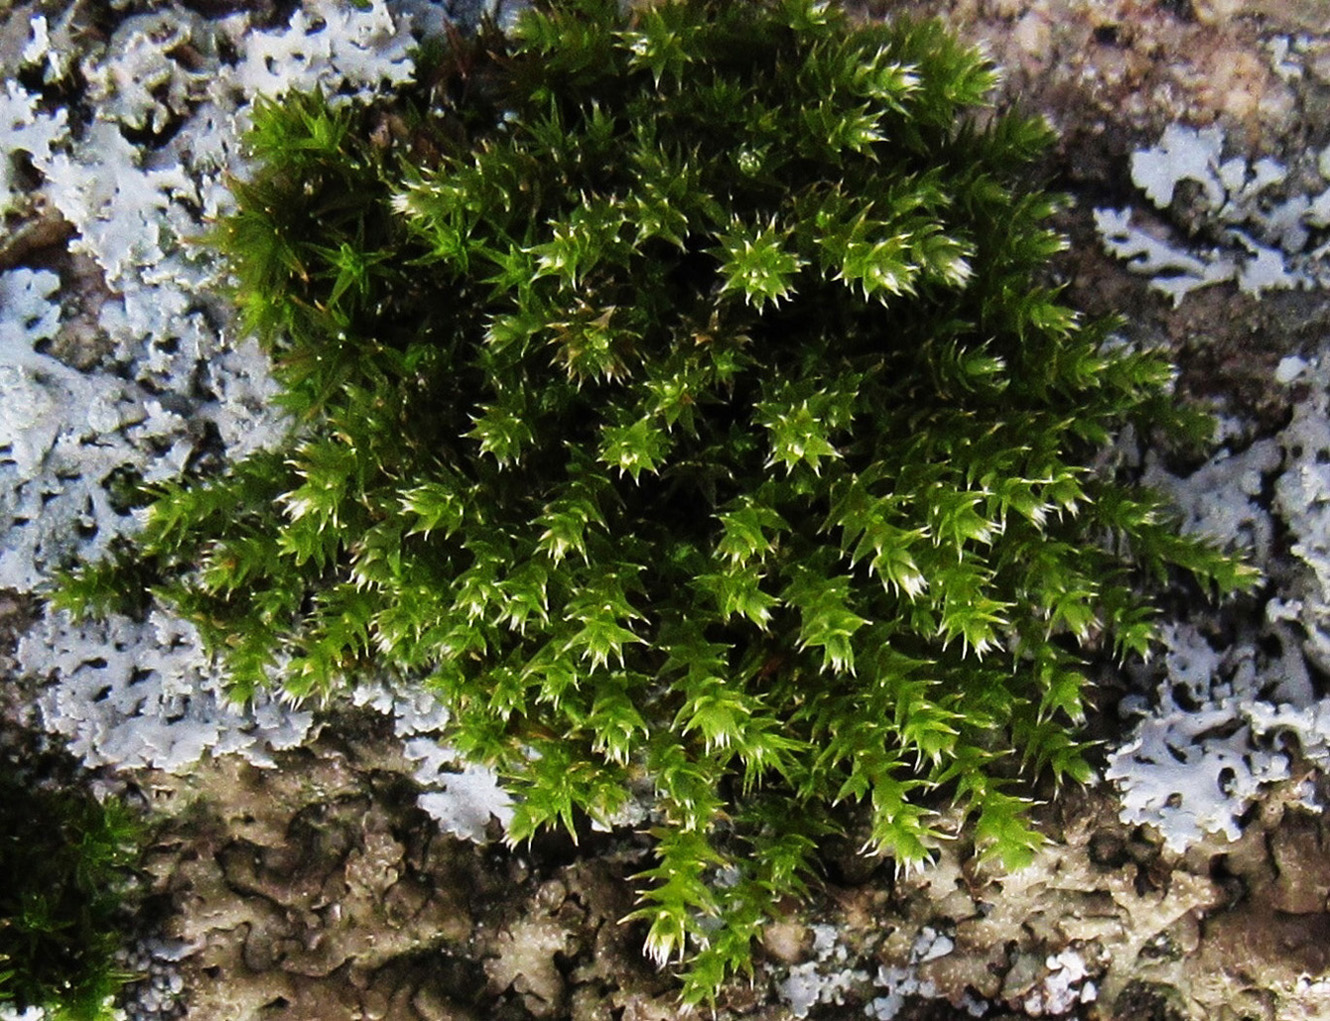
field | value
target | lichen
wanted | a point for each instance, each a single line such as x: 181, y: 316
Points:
x: 72, y: 443
x: 1253, y: 229
x: 1212, y: 738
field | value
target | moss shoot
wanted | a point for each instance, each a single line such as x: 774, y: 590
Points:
x: 68, y: 862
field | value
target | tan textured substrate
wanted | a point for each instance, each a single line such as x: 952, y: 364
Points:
x: 317, y: 892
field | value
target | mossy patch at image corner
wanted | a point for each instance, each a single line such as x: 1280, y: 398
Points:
x: 70, y: 887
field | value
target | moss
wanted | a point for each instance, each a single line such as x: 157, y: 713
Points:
x: 68, y: 861
x: 680, y: 395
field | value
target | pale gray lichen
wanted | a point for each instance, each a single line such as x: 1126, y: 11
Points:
x: 1257, y: 234
x: 1191, y: 766
x: 1065, y: 986
x: 896, y: 984
x: 27, y: 426
x: 131, y: 694
x: 144, y: 87
x: 9, y: 1013
x: 326, y: 41
x: 1215, y: 734
x: 127, y: 694
x: 1302, y: 500
x: 461, y: 797
x: 63, y: 434
x: 827, y: 978
x: 1225, y: 499
x: 24, y: 128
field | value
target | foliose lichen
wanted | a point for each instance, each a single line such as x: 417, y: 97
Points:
x: 1247, y: 222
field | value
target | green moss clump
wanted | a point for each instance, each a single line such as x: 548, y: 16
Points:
x: 679, y: 395
x: 68, y: 866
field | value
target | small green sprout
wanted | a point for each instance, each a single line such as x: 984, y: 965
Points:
x: 688, y: 404
x: 68, y: 862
